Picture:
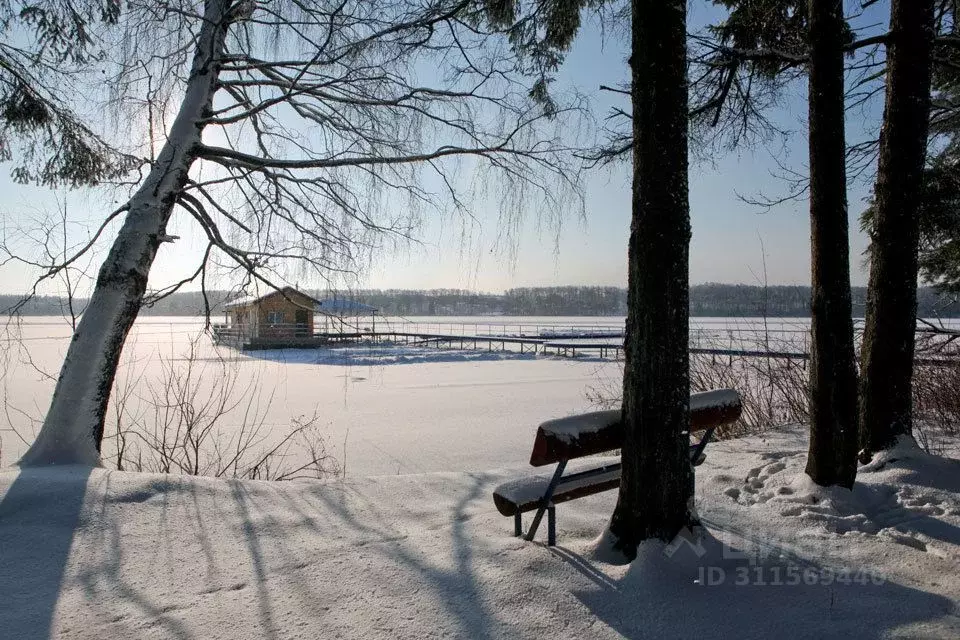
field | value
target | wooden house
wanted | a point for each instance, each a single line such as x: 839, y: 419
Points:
x: 288, y: 318
x: 282, y: 314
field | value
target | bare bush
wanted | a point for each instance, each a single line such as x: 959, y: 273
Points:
x: 936, y: 402
x: 200, y: 418
x: 936, y: 386
x: 773, y: 391
x: 936, y: 391
x: 772, y: 388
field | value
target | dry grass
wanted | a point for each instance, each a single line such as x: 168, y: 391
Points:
x: 773, y: 390
x: 198, y: 418
x: 936, y: 405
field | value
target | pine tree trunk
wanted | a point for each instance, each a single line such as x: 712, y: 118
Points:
x: 833, y: 385
x: 886, y: 409
x: 73, y: 428
x: 656, y: 485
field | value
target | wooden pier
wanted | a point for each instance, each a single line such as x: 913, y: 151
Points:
x: 562, y: 340
x: 561, y: 344
x: 602, y: 340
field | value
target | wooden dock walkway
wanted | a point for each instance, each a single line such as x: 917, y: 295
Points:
x: 526, y: 344
x: 523, y: 337
x: 571, y: 345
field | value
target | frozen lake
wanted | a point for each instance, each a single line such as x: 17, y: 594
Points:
x: 381, y: 410
x: 381, y: 414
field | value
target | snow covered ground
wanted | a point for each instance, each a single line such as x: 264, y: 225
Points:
x: 418, y: 550
x: 98, y: 554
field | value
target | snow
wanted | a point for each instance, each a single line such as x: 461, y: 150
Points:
x: 572, y: 428
x: 241, y: 301
x: 714, y: 398
x: 383, y: 410
x: 375, y: 355
x: 88, y: 553
x: 605, y: 550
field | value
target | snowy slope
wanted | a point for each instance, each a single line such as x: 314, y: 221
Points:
x: 97, y: 554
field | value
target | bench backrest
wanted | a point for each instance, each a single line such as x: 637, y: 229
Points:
x: 599, y: 431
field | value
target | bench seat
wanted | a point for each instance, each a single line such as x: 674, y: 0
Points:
x: 526, y: 494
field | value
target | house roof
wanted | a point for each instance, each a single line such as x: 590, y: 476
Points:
x: 242, y: 301
x: 344, y: 307
x: 248, y: 300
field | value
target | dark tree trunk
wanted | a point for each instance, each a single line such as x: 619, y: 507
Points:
x: 888, y: 340
x: 833, y: 379
x: 657, y: 481
x: 73, y: 428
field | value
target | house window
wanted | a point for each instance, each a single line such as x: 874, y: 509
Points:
x: 275, y: 317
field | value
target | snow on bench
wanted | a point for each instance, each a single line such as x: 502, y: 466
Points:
x: 564, y: 439
x: 599, y: 431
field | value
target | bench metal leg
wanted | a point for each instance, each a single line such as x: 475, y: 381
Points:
x: 545, y: 501
x: 695, y: 454
x: 551, y: 526
x: 517, y: 524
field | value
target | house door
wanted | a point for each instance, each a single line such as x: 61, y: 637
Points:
x: 300, y: 318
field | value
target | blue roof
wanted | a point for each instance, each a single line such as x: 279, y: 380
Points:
x: 353, y: 307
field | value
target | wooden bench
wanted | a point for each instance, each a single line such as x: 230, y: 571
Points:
x: 559, y: 441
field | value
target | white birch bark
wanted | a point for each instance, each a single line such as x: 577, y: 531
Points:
x: 73, y: 427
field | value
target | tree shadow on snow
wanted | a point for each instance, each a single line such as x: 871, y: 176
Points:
x: 44, y: 508
x: 718, y: 589
x: 340, y: 512
x: 457, y: 588
x: 920, y: 468
x: 116, y: 597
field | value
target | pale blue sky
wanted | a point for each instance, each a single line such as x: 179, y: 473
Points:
x: 727, y: 233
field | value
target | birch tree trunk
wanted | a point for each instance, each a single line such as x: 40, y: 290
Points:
x: 657, y: 480
x: 831, y: 459
x: 73, y: 428
x: 886, y: 408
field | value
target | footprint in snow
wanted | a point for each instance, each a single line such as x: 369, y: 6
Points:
x: 904, y: 539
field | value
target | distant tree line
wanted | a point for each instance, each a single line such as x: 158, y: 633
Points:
x: 524, y: 301
x: 706, y: 300
x: 737, y: 300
